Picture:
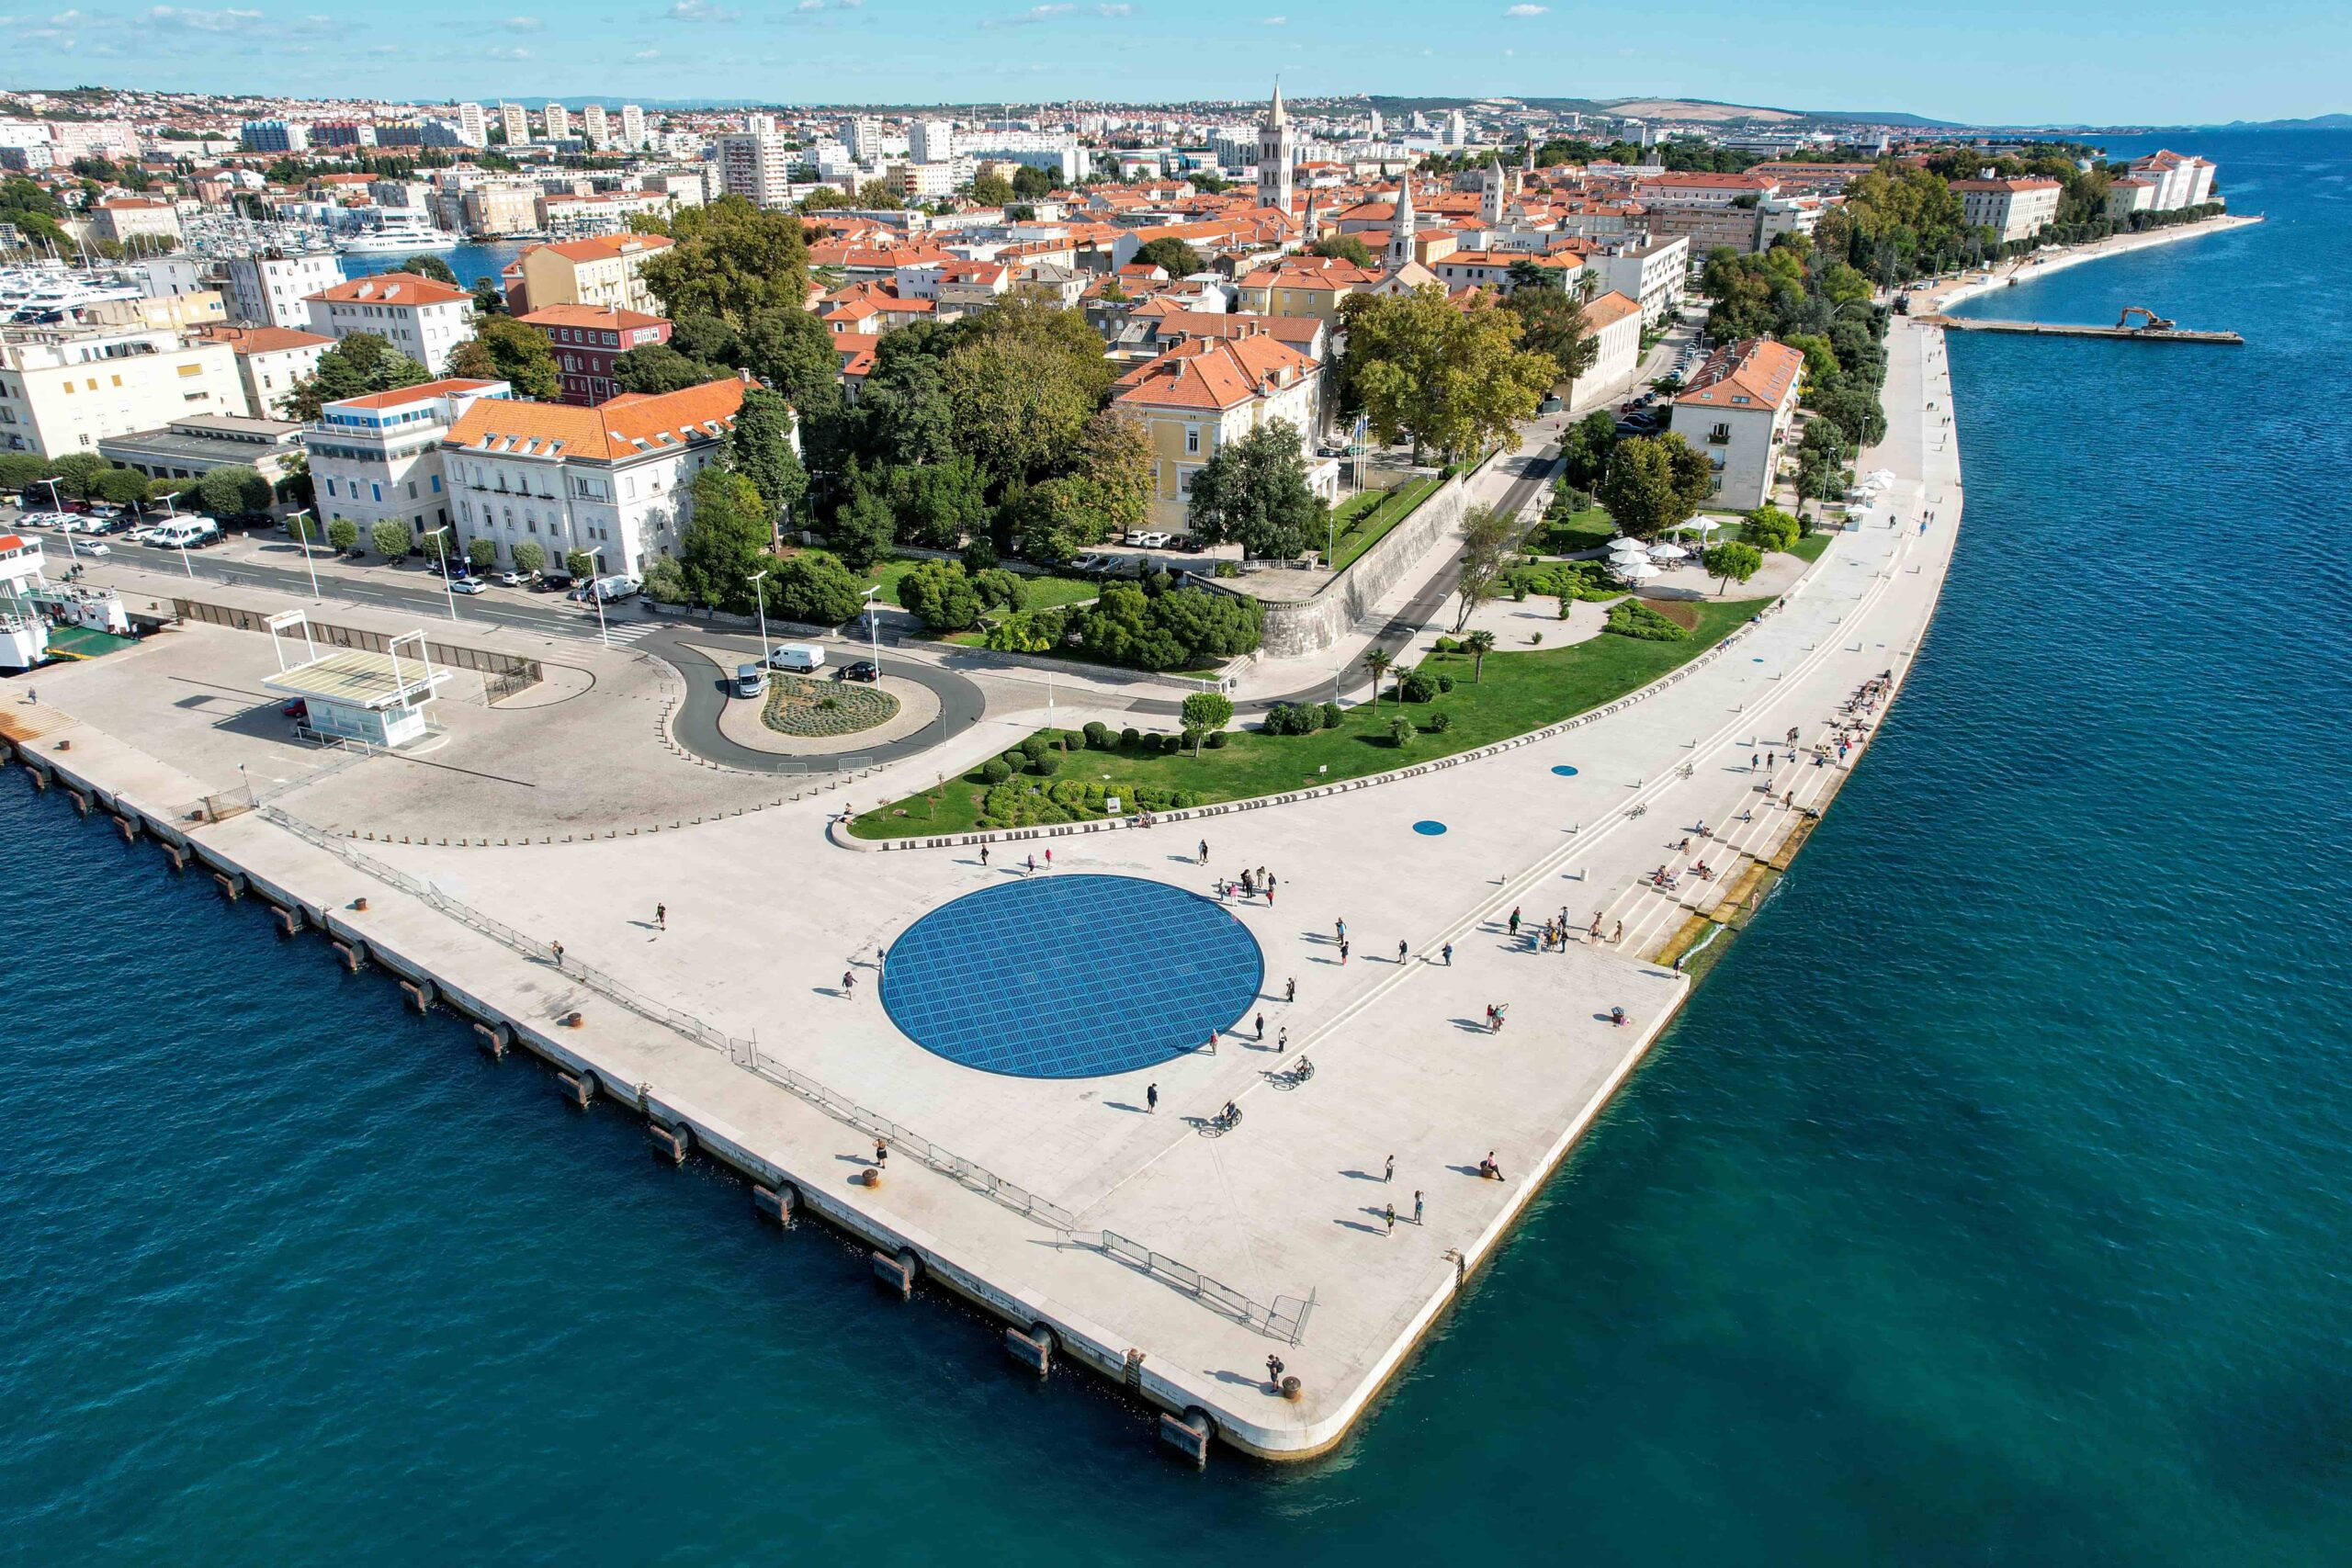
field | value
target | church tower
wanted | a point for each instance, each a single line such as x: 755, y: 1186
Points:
x: 1277, y: 156
x: 1401, y: 229
x: 1490, y: 193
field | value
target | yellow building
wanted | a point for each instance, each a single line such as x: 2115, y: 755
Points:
x: 605, y: 272
x: 1208, y: 391
x: 1305, y: 286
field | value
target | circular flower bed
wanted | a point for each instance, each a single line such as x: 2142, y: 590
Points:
x: 818, y: 709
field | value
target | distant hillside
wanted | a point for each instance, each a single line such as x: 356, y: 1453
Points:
x: 2316, y: 122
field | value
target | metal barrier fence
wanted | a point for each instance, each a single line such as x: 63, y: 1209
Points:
x: 505, y: 673
x: 1287, y: 1319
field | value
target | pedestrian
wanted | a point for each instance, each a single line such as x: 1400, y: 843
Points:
x: 1213, y: 1034
x: 1270, y: 885
x: 984, y: 857
x: 1343, y: 956
x: 1151, y: 1099
x: 881, y: 956
x: 1751, y: 762
x: 1401, y: 951
x: 1261, y: 1029
x: 1388, y: 1171
x: 1033, y: 866
x: 1514, y: 919
x: 849, y: 985
x: 1290, y: 989
x: 1205, y: 851
x: 1388, y: 1218
x: 559, y: 953
x: 662, y: 916
x: 1449, y: 955
x: 32, y: 698
x: 1274, y: 1371
x: 1049, y: 859
x: 1417, y: 1205
x: 1282, y: 1044
x: 1269, y: 894
x: 1340, y: 930
x: 881, y: 1153
x: 1620, y: 936
x: 1595, y: 933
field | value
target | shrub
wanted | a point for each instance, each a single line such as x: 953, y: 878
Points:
x: 391, y: 539
x: 1631, y: 617
x: 1217, y: 738
x: 942, y: 596
x: 994, y: 771
x: 1445, y: 683
x: 1171, y: 743
x: 1417, y: 686
x: 1447, y: 645
x: 1519, y: 593
x: 1014, y: 762
x: 1130, y: 736
x: 1045, y: 762
x: 1098, y: 735
x: 1035, y: 747
x: 1566, y: 601
x: 1293, y: 718
x: 529, y: 555
x: 1332, y: 716
x: 344, y: 534
x: 979, y: 555
x: 1440, y: 722
x: 1400, y: 732
x: 482, y: 554
x: 1001, y: 590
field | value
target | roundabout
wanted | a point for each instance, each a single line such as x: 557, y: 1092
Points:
x: 1070, y: 976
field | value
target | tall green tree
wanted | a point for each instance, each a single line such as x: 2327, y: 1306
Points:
x: 1022, y: 387
x: 1490, y: 536
x: 433, y: 267
x: 861, y: 529
x: 1552, y: 324
x: 759, y: 447
x: 359, y: 364
x: 1171, y: 255
x: 504, y: 349
x: 1255, y: 493
x: 1732, y: 562
x: 1342, y: 247
x: 1444, y: 374
x: 814, y: 589
x: 1655, y: 484
x: 658, y: 367
x: 726, y: 540
x: 732, y: 260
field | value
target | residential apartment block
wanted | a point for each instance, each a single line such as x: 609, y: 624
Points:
x: 1737, y: 409
x: 65, y: 388
x: 604, y: 271
x: 2014, y: 208
x: 1208, y: 391
x: 273, y: 290
x: 756, y: 165
x: 586, y: 339
x: 270, y: 360
x: 614, y: 480
x: 424, y: 318
x: 378, y: 457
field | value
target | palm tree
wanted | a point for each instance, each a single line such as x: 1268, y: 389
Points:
x: 1480, y: 644
x: 1379, y: 661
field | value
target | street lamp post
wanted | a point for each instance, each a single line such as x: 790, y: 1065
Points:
x: 304, y: 536
x: 171, y: 512
x: 874, y: 636
x: 448, y: 590
x: 57, y: 508
x: 758, y: 581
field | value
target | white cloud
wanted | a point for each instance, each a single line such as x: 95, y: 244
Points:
x: 701, y: 11
x: 810, y: 6
x: 647, y: 54
x: 1274, y: 21
x: 1526, y: 10
x: 522, y: 24
x: 853, y: 4
x: 225, y: 21
x: 507, y: 54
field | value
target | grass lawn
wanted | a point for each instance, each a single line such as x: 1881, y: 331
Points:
x: 1520, y: 691
x: 1585, y: 530
x: 1371, y: 514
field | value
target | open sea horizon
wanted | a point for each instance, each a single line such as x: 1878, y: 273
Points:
x: 1989, y: 1203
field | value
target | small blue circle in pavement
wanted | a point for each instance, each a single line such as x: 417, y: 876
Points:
x: 1756, y: 661
x: 1061, y: 976
x: 1429, y: 829
x: 1565, y: 770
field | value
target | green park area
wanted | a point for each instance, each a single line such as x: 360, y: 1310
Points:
x: 1067, y: 774
x: 1041, y: 591
x: 1364, y: 518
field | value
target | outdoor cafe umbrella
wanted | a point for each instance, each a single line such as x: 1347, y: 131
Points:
x: 1627, y: 547
x: 1635, y: 570
x: 1667, y: 552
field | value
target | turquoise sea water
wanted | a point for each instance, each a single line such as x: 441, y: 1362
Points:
x: 1988, y: 1204
x: 469, y: 262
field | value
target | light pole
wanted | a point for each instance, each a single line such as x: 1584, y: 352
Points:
x: 758, y: 581
x: 304, y: 537
x: 57, y: 510
x: 448, y: 591
x: 873, y: 637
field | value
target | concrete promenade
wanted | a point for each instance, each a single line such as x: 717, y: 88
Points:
x: 1103, y: 1220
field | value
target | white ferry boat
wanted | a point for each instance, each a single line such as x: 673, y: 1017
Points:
x: 397, y: 230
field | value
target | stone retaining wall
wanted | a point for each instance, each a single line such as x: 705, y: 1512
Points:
x: 1310, y: 626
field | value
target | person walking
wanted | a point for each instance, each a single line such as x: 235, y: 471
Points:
x: 1049, y: 858
x: 1401, y: 951
x: 662, y: 917
x: 849, y: 985
x: 1282, y: 1044
x: 1290, y: 989
x: 1261, y: 1029
x: 1274, y: 1372
x: 1151, y: 1099
x: 1448, y: 951
x: 984, y: 857
x: 881, y: 1154
x: 1417, y: 1205
x: 1388, y: 1218
x: 1620, y: 935
x: 1340, y: 930
x: 1514, y: 919
x: 1033, y: 866
x: 1388, y: 1171
x: 1205, y: 851
x: 556, y: 948
x: 1343, y: 956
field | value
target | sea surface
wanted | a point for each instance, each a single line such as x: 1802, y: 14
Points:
x: 1988, y: 1204
x: 469, y: 262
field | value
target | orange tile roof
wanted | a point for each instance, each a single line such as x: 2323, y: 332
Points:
x: 609, y: 317
x: 1755, y: 372
x: 264, y: 340
x: 392, y: 289
x: 1212, y: 373
x: 1608, y: 309
x: 421, y: 392
x: 1298, y: 332
x: 604, y: 247
x: 629, y: 426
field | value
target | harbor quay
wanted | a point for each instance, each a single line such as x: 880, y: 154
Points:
x: 961, y: 1061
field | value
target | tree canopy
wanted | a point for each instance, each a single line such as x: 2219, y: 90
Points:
x: 1444, y: 374
x: 730, y: 259
x: 360, y: 364
x: 504, y: 349
x: 726, y: 540
x: 1655, y: 484
x: 1342, y: 247
x: 1254, y: 492
x: 759, y: 447
x: 1171, y: 255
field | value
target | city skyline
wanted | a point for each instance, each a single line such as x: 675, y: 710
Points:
x: 843, y: 51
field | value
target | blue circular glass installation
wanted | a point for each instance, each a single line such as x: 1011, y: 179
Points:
x: 1070, y: 976
x: 1565, y: 770
x: 1429, y: 829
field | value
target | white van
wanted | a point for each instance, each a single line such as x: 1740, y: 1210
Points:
x: 184, y: 533
x: 751, y: 680
x: 803, y: 658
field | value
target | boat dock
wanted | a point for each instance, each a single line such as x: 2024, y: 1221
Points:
x: 2065, y: 329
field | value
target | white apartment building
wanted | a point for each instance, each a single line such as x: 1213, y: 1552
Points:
x: 270, y: 361
x: 273, y: 290
x: 559, y: 120
x: 1655, y: 274
x: 2176, y: 181
x: 755, y: 165
x: 65, y: 388
x: 1614, y: 322
x: 594, y: 126
x: 2014, y: 208
x: 474, y: 126
x: 424, y: 318
x: 632, y: 128
x: 516, y: 122
x: 1737, y: 409
x: 931, y: 141
x: 379, y: 456
x: 615, y: 481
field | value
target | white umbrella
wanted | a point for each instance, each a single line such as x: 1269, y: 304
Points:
x: 1667, y: 552
x: 1881, y: 476
x: 1635, y: 570
x: 1627, y: 547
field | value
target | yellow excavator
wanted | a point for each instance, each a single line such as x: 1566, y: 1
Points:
x: 2149, y: 320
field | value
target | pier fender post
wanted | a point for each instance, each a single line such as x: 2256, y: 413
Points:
x: 673, y: 1144
x: 779, y: 1202
x: 176, y: 855
x: 1188, y: 1434
x: 495, y: 1039
x: 419, y: 992
x: 578, y: 1088
x: 290, y: 920
x: 128, y: 827
x: 232, y: 884
x: 899, y: 1272
x: 351, y: 955
x: 1033, y: 1348
x: 39, y: 776
x: 81, y: 801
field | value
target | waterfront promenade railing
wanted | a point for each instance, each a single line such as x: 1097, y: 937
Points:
x: 1285, y: 1319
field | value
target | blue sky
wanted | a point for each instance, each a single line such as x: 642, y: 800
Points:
x: 2153, y: 62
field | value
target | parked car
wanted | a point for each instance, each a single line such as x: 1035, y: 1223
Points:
x: 751, y: 680
x: 863, y: 670
x: 1093, y: 563
x: 801, y: 658
x: 97, y: 547
x: 514, y: 580
x: 468, y: 585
